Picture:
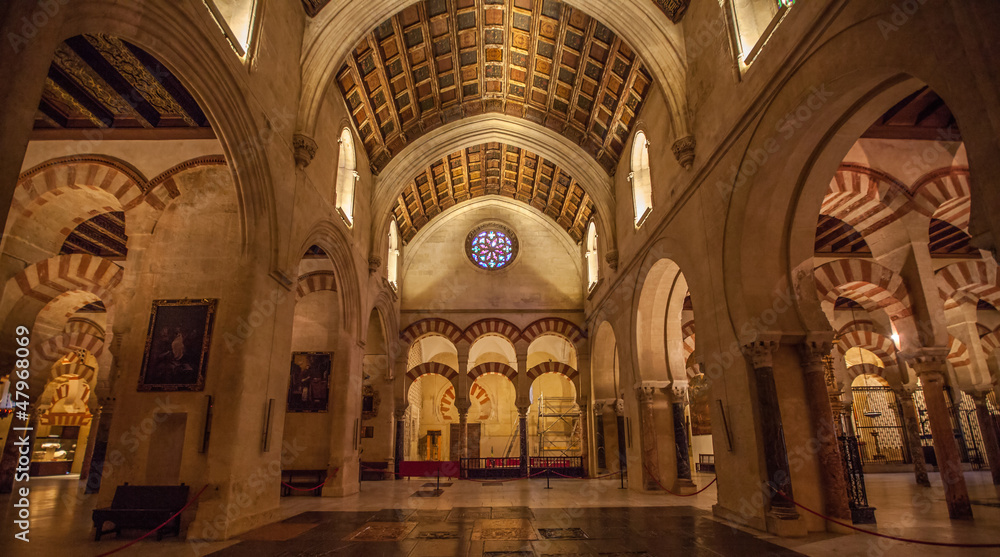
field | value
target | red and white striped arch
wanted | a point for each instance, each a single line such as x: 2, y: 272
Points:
x: 48, y: 279
x: 433, y: 325
x: 44, y: 182
x: 315, y: 282
x: 49, y: 352
x: 553, y: 326
x: 433, y: 368
x: 865, y: 198
x: 990, y: 341
x: 500, y: 327
x: 552, y: 367
x: 868, y: 283
x: 969, y: 278
x: 869, y: 340
x: 493, y: 367
x: 163, y: 188
x: 958, y: 353
x: 946, y: 194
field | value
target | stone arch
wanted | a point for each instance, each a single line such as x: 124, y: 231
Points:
x: 48, y: 352
x: 856, y: 371
x: 604, y: 361
x: 869, y: 340
x: 493, y: 367
x: 991, y: 341
x: 553, y: 367
x: 163, y: 188
x: 659, y: 44
x: 946, y: 194
x: 47, y: 279
x: 314, y: 282
x: 554, y: 326
x: 39, y: 184
x: 432, y: 368
x: 495, y: 326
x: 658, y: 317
x: 331, y: 239
x: 969, y: 279
x: 865, y: 282
x: 865, y: 198
x: 432, y: 325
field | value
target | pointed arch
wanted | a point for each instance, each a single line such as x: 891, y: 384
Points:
x: 314, y: 282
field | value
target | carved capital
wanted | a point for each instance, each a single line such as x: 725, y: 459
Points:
x: 598, y: 407
x: 304, y: 148
x: 760, y: 353
x: 813, y: 350
x: 612, y: 258
x: 400, y: 412
x: 463, y: 405
x: 928, y: 361
x: 619, y: 407
x: 679, y: 388
x: 683, y: 150
x: 374, y: 262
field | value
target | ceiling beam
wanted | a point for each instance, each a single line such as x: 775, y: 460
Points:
x: 86, y: 51
x: 620, y: 104
x: 456, y: 59
x: 602, y: 86
x: 362, y: 85
x: 383, y: 79
x: 170, y: 83
x: 429, y: 57
x: 581, y: 75
x: 52, y: 113
x: 557, y: 57
x: 102, y: 114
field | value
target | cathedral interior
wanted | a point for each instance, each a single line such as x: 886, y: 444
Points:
x: 499, y: 277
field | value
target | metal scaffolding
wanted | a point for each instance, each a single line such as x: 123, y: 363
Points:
x: 559, y: 426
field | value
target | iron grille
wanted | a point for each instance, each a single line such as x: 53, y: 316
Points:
x: 878, y: 425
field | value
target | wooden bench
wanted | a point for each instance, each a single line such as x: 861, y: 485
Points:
x: 143, y: 507
x: 302, y: 479
x: 706, y: 463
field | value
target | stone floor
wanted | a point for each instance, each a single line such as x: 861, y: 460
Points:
x: 521, y: 518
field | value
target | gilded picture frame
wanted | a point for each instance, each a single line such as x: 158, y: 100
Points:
x: 177, y: 345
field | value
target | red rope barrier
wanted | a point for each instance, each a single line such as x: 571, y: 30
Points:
x: 304, y: 489
x: 154, y: 530
x: 886, y: 536
x: 679, y: 494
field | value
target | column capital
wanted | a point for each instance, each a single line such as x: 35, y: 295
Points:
x: 598, y: 407
x: 304, y: 148
x: 813, y: 349
x: 463, y: 404
x: 647, y: 389
x: 979, y: 397
x: 400, y: 412
x: 619, y: 407
x: 679, y: 388
x: 760, y: 352
x: 928, y: 360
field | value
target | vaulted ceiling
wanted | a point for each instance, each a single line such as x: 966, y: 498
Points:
x: 493, y: 169
x: 101, y: 82
x: 922, y: 115
x: 440, y: 60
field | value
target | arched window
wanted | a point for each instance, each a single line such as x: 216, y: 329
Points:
x: 237, y: 20
x: 753, y: 22
x: 392, y: 261
x: 593, y: 262
x: 642, y: 187
x: 346, y: 177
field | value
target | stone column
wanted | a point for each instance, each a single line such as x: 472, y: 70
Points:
x: 650, y: 456
x: 759, y: 355
x: 679, y: 389
x: 930, y: 364
x: 400, y: 415
x: 812, y: 352
x: 88, y: 455
x: 584, y: 453
x: 463, y: 405
x: 522, y: 428
x: 911, y: 424
x: 622, y: 445
x: 599, y: 447
x: 989, y: 433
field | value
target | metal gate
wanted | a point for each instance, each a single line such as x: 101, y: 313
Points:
x: 878, y: 425
x: 963, y: 423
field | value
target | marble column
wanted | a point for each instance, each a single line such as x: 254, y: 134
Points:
x: 584, y: 453
x: 989, y: 433
x: 679, y: 390
x: 911, y: 425
x: 930, y: 365
x: 834, y: 477
x: 88, y: 455
x: 622, y: 445
x: 400, y: 415
x: 647, y: 426
x: 599, y: 446
x: 522, y: 428
x: 759, y: 354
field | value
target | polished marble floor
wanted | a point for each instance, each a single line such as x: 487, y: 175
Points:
x: 521, y: 518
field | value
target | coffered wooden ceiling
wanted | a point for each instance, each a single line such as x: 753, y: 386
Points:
x: 102, y: 82
x: 493, y: 169
x: 440, y: 60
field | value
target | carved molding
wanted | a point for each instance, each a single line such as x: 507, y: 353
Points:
x: 813, y: 350
x: 304, y: 148
x: 679, y: 388
x: 760, y: 353
x: 374, y: 262
x: 619, y: 407
x: 612, y: 258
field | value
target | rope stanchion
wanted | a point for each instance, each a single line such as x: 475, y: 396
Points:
x: 886, y: 536
x: 304, y: 489
x: 680, y: 494
x: 154, y: 530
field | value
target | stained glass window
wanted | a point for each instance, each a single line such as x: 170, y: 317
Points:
x: 491, y: 247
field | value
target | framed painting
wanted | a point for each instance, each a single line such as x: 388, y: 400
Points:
x: 309, y: 382
x: 180, y: 332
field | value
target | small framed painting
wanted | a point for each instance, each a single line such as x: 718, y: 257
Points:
x: 309, y: 382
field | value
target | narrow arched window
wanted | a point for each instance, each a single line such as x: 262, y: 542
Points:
x: 593, y: 262
x: 237, y: 18
x: 346, y: 177
x: 642, y: 187
x: 392, y: 261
